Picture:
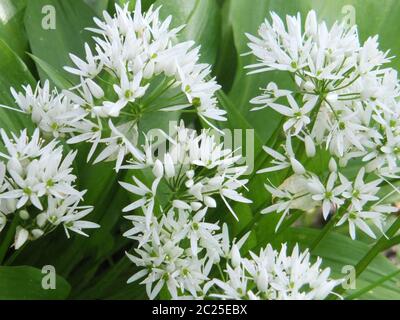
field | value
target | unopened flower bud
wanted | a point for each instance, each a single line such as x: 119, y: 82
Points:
x: 190, y: 174
x: 41, y: 219
x: 309, y: 86
x: 169, y: 166
x: 297, y: 166
x: 95, y: 89
x: 332, y: 165
x: 310, y: 146
x: 196, y: 206
x: 210, y: 202
x: 158, y: 169
x: 37, y: 233
x: 235, y: 259
x: 179, y: 204
x: 21, y: 236
x: 189, y: 183
x: 24, y: 215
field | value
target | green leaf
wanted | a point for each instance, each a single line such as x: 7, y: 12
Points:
x: 98, y: 6
x: 202, y: 20
x: 52, y: 74
x: 12, y: 25
x: 25, y: 283
x: 13, y: 73
x: 69, y: 36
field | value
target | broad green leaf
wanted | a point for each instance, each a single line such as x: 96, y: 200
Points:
x: 226, y: 63
x: 25, y: 283
x: 12, y: 25
x: 13, y: 73
x: 68, y: 36
x: 202, y: 20
x: 98, y: 6
x: 52, y: 74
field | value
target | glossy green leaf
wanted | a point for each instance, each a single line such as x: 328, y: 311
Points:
x: 98, y: 6
x: 25, y: 283
x: 202, y: 20
x: 52, y: 74
x: 13, y: 73
x: 12, y: 25
x: 69, y: 35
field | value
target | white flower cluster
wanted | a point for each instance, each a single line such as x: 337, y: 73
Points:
x: 178, y: 252
x: 344, y: 108
x: 178, y: 249
x: 37, y: 188
x: 194, y: 169
x: 274, y: 275
x: 137, y: 68
x: 53, y: 113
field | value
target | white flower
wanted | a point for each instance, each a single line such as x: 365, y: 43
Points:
x: 37, y: 184
x: 216, y: 172
x: 298, y: 116
x: 136, y: 69
x: 55, y: 114
x: 376, y: 215
x: 270, y: 95
x: 362, y: 192
x: 89, y: 68
x: 119, y: 145
x: 274, y: 275
x: 237, y: 285
x: 163, y: 259
x: 138, y: 50
x: 283, y: 161
x: 350, y: 108
x: 330, y: 194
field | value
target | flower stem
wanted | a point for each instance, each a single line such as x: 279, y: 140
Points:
x: 328, y: 227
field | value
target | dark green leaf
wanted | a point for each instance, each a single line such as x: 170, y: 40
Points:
x: 26, y: 283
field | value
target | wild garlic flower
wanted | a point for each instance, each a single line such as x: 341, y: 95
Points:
x: 194, y: 170
x: 344, y: 107
x: 177, y: 252
x: 53, y: 113
x: 275, y: 275
x: 136, y: 69
x: 37, y: 185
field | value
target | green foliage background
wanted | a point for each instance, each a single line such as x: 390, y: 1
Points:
x: 96, y: 267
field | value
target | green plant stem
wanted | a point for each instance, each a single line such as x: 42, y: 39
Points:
x: 379, y: 246
x: 5, y: 245
x: 391, y: 242
x: 328, y: 227
x: 14, y: 256
x: 274, y: 139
